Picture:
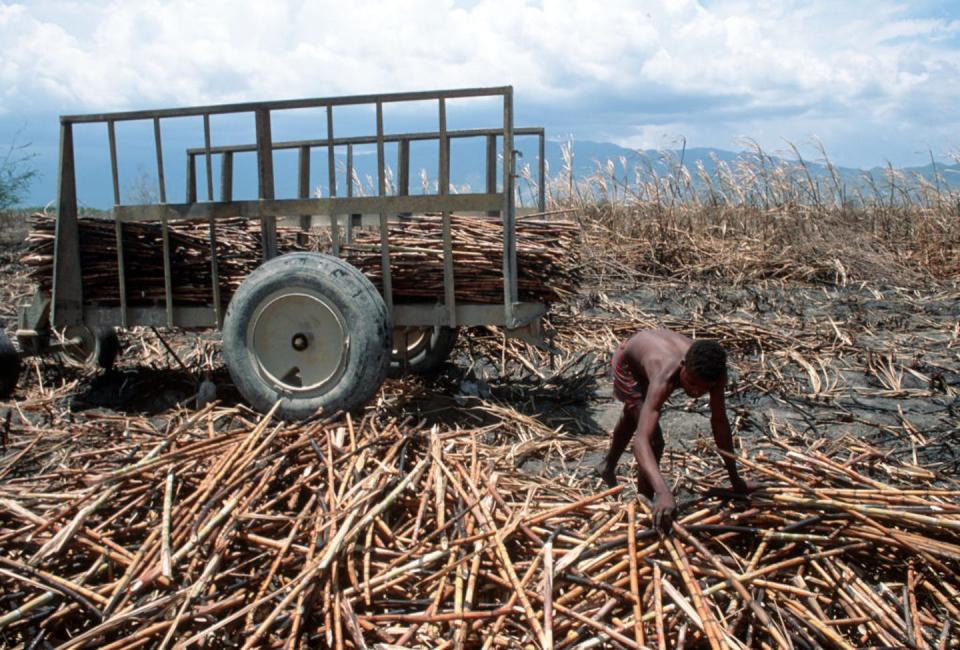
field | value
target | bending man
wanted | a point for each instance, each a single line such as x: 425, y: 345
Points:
x: 647, y: 368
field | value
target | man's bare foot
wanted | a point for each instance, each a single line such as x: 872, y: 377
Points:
x: 608, y: 474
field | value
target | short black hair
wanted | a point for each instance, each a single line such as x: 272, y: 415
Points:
x: 707, y: 360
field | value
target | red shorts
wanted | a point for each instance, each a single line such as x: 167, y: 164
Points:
x: 626, y: 388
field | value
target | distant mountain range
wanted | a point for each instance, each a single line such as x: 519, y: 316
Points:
x: 467, y: 165
x: 586, y: 155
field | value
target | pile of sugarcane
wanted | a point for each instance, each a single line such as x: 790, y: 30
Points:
x: 234, y: 531
x: 546, y: 258
x: 238, y: 253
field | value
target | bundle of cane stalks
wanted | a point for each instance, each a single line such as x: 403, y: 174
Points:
x: 547, y: 257
x: 227, y: 530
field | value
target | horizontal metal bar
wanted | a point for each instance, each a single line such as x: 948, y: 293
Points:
x: 404, y: 315
x: 220, y: 109
x: 372, y: 139
x: 186, y: 317
x: 373, y: 220
x: 468, y: 314
x: 255, y: 209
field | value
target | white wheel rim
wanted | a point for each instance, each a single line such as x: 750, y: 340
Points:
x: 414, y: 339
x: 80, y: 345
x: 298, y: 341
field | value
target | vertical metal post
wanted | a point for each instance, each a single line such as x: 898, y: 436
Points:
x: 268, y: 224
x: 349, y: 170
x: 208, y: 158
x: 226, y: 177
x: 164, y: 226
x: 191, y: 178
x: 403, y: 168
x: 509, y: 216
x: 492, y: 170
x: 542, y: 181
x: 118, y: 227
x: 303, y: 185
x: 214, y: 264
x: 158, y: 145
x: 114, y: 175
x: 443, y: 176
x: 350, y: 218
x: 384, y: 224
x: 332, y: 180
x: 67, y: 298
x: 449, y: 289
x: 226, y: 195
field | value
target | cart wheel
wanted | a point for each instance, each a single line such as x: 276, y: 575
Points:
x: 9, y: 366
x: 88, y: 347
x: 308, y: 330
x: 427, y: 349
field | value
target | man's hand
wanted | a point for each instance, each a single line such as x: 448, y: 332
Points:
x: 664, y: 508
x: 744, y: 487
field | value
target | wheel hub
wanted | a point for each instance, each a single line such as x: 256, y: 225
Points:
x: 299, y: 341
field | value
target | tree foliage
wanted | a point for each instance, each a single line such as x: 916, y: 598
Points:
x: 16, y: 174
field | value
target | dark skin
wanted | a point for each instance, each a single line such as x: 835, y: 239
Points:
x: 656, y: 359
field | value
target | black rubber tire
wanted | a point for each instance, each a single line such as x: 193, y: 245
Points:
x: 108, y: 347
x: 9, y: 366
x: 428, y: 359
x: 365, y: 318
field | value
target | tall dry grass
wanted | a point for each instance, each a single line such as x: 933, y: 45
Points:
x: 13, y: 227
x: 761, y: 217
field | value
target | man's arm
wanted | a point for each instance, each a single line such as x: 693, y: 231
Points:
x: 664, y: 504
x: 723, y: 437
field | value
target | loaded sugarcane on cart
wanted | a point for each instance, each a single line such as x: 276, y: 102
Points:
x: 306, y: 329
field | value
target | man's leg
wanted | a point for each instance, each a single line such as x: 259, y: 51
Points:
x: 622, y: 433
x: 657, y: 443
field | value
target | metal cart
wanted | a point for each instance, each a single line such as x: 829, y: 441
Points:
x: 307, y: 330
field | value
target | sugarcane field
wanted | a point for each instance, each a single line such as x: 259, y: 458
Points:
x: 148, y: 504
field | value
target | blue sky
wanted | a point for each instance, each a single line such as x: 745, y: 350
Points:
x: 874, y: 81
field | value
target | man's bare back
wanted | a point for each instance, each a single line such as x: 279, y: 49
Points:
x: 656, y: 353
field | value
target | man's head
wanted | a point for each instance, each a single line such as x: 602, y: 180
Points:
x: 704, y: 367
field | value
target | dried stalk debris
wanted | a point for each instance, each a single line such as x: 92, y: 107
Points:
x: 349, y: 534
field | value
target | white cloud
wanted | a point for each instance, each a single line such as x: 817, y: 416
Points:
x: 128, y: 52
x: 726, y: 65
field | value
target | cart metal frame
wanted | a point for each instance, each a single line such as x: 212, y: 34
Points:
x: 67, y: 305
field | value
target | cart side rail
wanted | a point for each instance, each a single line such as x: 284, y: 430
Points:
x: 68, y: 306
